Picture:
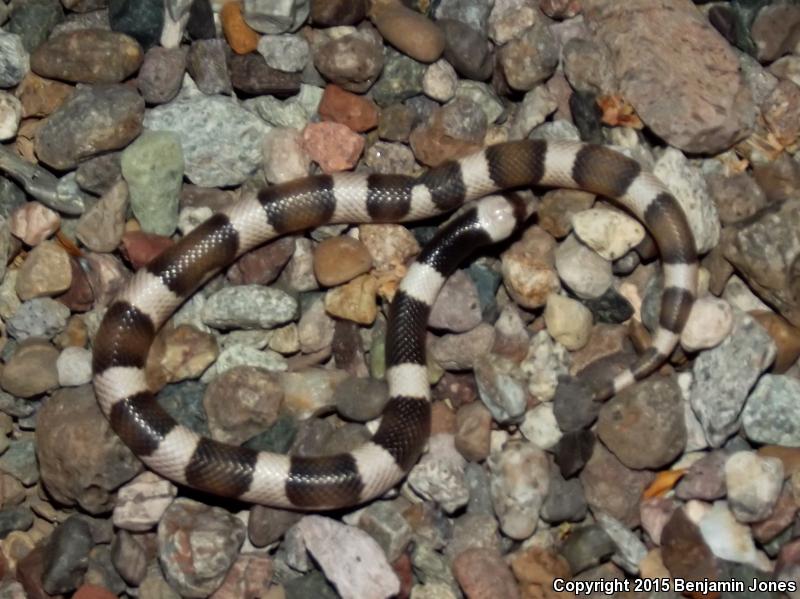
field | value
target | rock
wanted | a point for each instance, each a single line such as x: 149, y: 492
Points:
x: 82, y: 461
x: 354, y: 300
x: 161, y: 74
x: 41, y: 97
x: 80, y: 127
x: 315, y: 329
x: 766, y: 418
x: 19, y: 461
x: 337, y: 12
x: 333, y: 146
x: 785, y: 336
x: 206, y: 63
x: 483, y: 573
x: 568, y: 321
x: 559, y: 206
x: 705, y: 479
x: 610, y: 233
x: 388, y: 245
x: 272, y: 17
x: 14, y: 59
x: 241, y: 37
x: 252, y: 75
x: 262, y: 265
x: 457, y: 306
x: 153, y: 168
x: 530, y: 58
x: 737, y: 197
x: 462, y: 351
x: 31, y: 370
x: 400, y: 79
x: 249, y: 307
x: 588, y: 67
x: 584, y: 271
x: 340, y: 259
x: 97, y: 175
x: 774, y: 31
x: 684, y: 551
x: 710, y: 322
x: 451, y: 132
x: 34, y: 20
x: 520, y: 482
x: 225, y: 151
x: 249, y: 576
x: 45, y: 272
x: 197, y: 545
x: 644, y: 424
x: 285, y: 157
x: 74, y: 367
x: 66, y: 556
x: 284, y: 52
x: 40, y: 317
x: 310, y: 391
x: 352, y: 61
x: 101, y: 227
x: 544, y: 363
x: 754, y: 483
x: 764, y: 251
x: 140, y: 247
x: 473, y: 431
x: 10, y: 115
x: 540, y: 427
x: 408, y: 31
x: 141, y: 503
x: 602, y: 479
x: 88, y: 56
x: 528, y: 269
x: 565, y: 501
x: 508, y: 20
x: 356, y: 112
x: 242, y: 402
x: 630, y: 550
x: 723, y: 375
x: 440, y: 80
x: 142, y: 20
x: 349, y: 557
x: 384, y: 522
x: 439, y: 475
x: 586, y: 547
x: 688, y: 88
x: 361, y: 399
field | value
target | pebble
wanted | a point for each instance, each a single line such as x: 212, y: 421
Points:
x: 299, y: 272
x: 473, y: 431
x: 101, y: 227
x: 773, y: 31
x: 545, y: 362
x: 705, y: 479
x: 350, y: 558
x: 311, y: 390
x: 439, y: 475
x: 19, y: 461
x: 197, y: 545
x: 34, y: 20
x: 684, y: 550
x: 753, y: 483
x: 710, y: 322
x: 242, y: 402
x: 94, y: 119
x: 74, y: 367
x: 285, y: 158
x: 519, y: 484
x: 142, y: 20
x: 222, y: 153
x: 723, y: 376
x: 528, y: 269
x: 463, y: 351
x: 88, y: 56
x: 82, y: 461
x: 140, y: 248
x: 284, y: 52
x: 484, y: 573
x: 252, y: 75
x: 608, y: 232
x: 335, y: 147
x: 340, y: 259
x: 354, y: 300
x: 785, y: 336
x: 10, y: 115
x: 262, y: 265
x: 565, y: 501
x: 586, y: 547
x: 31, y: 370
x: 267, y: 16
x: 568, y: 321
x: 206, y: 64
x: 45, y: 272
x: 97, y: 175
x: 630, y: 550
x: 604, y: 476
x: 453, y: 131
x: 65, y: 557
x: 769, y: 415
x: 530, y: 58
x: 540, y: 427
x: 508, y: 19
x: 14, y: 59
x: 161, y: 74
x: 457, y: 306
x: 17, y: 518
x: 407, y: 30
x: 356, y: 112
x: 315, y: 328
x: 153, y: 168
x: 384, y: 521
x: 249, y: 576
x: 440, y: 81
x: 726, y: 538
x: 249, y: 307
x: 240, y: 36
x: 352, y: 61
x: 644, y: 424
x: 686, y: 88
x: 141, y: 502
x: 400, y: 79
x: 40, y: 317
x: 238, y: 354
x: 581, y: 269
x: 33, y: 222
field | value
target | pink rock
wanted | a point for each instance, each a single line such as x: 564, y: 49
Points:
x: 335, y: 147
x: 33, y: 223
x: 140, y: 247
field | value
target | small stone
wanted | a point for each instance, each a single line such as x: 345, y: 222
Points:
x: 340, y: 259
x: 284, y: 52
x: 785, y: 336
x: 439, y: 475
x: 465, y: 350
x: 74, y: 367
x: 528, y: 270
x: 197, y: 545
x: 439, y: 81
x: 710, y: 322
x: 582, y: 270
x: 361, y: 400
x: 768, y: 415
x: 40, y: 317
x: 161, y: 74
x: 400, y: 79
x: 540, y: 427
x: 142, y: 501
x: 352, y: 61
x: 45, y: 272
x: 14, y: 59
x: 66, y: 556
x: 101, y: 227
x: 94, y: 119
x: 88, y: 56
x: 356, y: 112
x: 610, y: 233
x: 309, y: 391
x: 530, y: 58
x: 349, y: 557
x: 467, y: 49
x: 241, y: 37
x: 586, y: 547
x: 249, y: 307
x: 315, y: 329
x: 142, y: 20
x: 408, y: 31
x: 483, y: 573
x: 753, y: 484
x: 705, y: 479
x: 450, y: 132
x: 774, y: 31
x: 354, y: 300
x: 252, y: 75
x: 389, y: 245
x: 206, y: 63
x: 33, y: 222
x: 333, y: 146
x: 457, y: 306
x: 568, y: 321
x: 684, y: 550
x: 19, y: 461
x: 565, y: 501
x: 509, y: 19
x: 10, y: 115
x: 31, y: 370
x: 473, y: 431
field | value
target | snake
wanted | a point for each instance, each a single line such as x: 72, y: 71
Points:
x: 476, y: 190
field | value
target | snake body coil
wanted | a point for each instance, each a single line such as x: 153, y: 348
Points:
x: 132, y: 321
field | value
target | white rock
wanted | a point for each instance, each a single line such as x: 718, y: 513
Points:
x: 754, y: 483
x: 74, y: 366
x: 710, y: 321
x: 351, y: 559
x: 540, y: 426
x: 10, y: 115
x: 174, y: 24
x: 439, y: 81
x: 546, y: 360
x: 440, y: 474
x: 582, y: 269
x: 728, y: 539
x: 285, y: 157
x: 610, y: 233
x: 535, y: 107
x: 142, y: 501
x: 568, y: 321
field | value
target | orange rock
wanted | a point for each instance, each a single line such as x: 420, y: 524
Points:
x: 357, y: 112
x: 664, y: 482
x: 333, y: 146
x: 241, y: 37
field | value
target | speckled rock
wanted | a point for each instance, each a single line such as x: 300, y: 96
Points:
x: 275, y: 17
x: 439, y: 475
x: 769, y: 415
x: 206, y: 64
x: 530, y: 58
x: 353, y: 61
x: 141, y: 503
x: 79, y: 128
x: 335, y: 147
x: 284, y: 52
x: 225, y: 151
x: 249, y: 307
x: 40, y: 317
x: 14, y: 59
x: 161, y: 74
x: 753, y: 483
x: 88, y: 56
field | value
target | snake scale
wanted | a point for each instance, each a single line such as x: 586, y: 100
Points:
x: 315, y: 483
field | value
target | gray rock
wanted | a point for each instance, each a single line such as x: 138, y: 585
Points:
x: 206, y: 63
x: 439, y: 475
x: 501, y: 387
x: 275, y: 16
x: 66, y: 556
x: 222, y: 142
x: 724, y: 375
x: 565, y: 501
x: 754, y: 484
x: 457, y: 307
x: 630, y: 549
x: 384, y: 522
x: 285, y: 52
x: 39, y: 317
x: 14, y: 59
x: 770, y: 414
x: 586, y: 547
x: 249, y: 307
x: 705, y: 479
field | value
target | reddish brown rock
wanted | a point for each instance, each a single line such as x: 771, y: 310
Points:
x: 536, y: 569
x: 29, y: 573
x: 335, y: 147
x: 483, y: 574
x: 359, y: 113
x: 39, y: 96
x: 779, y: 520
x: 46, y: 272
x: 443, y: 419
x: 79, y: 297
x: 340, y: 259
x: 140, y: 247
x: 92, y: 591
x: 262, y: 265
x: 249, y: 577
x: 685, y: 553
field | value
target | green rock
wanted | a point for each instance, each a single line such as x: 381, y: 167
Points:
x: 33, y: 20
x: 143, y: 20
x: 153, y: 167
x: 20, y: 461
x: 401, y: 79
x: 310, y: 586
x: 184, y: 402
x: 278, y: 438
